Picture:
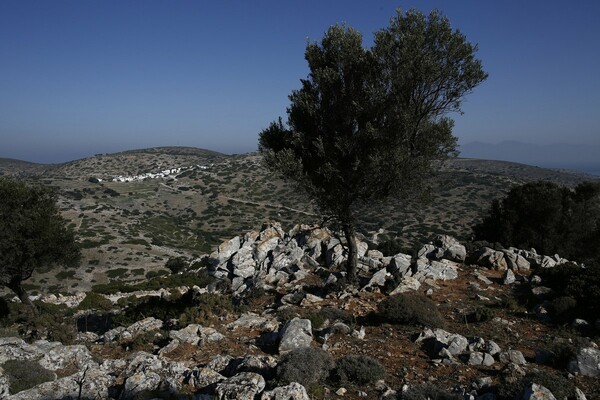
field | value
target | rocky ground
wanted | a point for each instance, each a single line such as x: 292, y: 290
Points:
x: 271, y: 317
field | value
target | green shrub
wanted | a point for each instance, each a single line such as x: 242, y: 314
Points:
x: 410, y: 309
x: 95, y: 301
x: 200, y: 279
x: 176, y: 264
x: 307, y: 366
x: 116, y: 272
x: 25, y: 374
x: 481, y: 314
x: 427, y: 391
x: 560, y: 386
x: 359, y: 369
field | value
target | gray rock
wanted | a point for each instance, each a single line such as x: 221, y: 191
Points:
x: 296, y: 334
x: 475, y: 358
x: 243, y: 386
x: 442, y: 270
x: 536, y: 392
x: 490, y: 258
x: 293, y: 391
x: 516, y: 262
x: 12, y: 348
x: 93, y: 382
x: 400, y: 264
x: 512, y: 356
x: 196, y: 334
x: 61, y: 356
x: 250, y: 320
x: 4, y: 385
x: 377, y: 280
x: 407, y: 284
x: 579, y: 395
x: 200, y: 378
x: 586, y: 362
x: 509, y: 277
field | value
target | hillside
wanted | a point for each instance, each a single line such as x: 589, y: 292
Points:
x: 133, y: 210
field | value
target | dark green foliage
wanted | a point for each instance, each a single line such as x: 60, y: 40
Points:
x: 306, y: 366
x: 187, y: 308
x: 481, y: 314
x: 427, y: 391
x: 176, y: 264
x: 200, y: 279
x: 53, y: 322
x: 33, y: 234
x: 95, y: 301
x: 368, y: 123
x: 560, y: 386
x: 358, y: 369
x: 576, y: 290
x: 550, y: 218
x: 25, y: 374
x: 410, y: 309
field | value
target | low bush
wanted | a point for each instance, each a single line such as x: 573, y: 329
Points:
x: 307, y: 366
x: 176, y: 264
x: 410, y: 309
x: 200, y: 279
x: 359, y: 369
x: 481, y: 314
x: 427, y: 391
x: 25, y: 374
x: 95, y: 301
x: 561, y: 387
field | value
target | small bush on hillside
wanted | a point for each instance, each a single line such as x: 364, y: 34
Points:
x: 560, y: 386
x: 359, y: 369
x: 577, y: 290
x: 427, y: 391
x: 481, y: 314
x: 410, y: 309
x: 307, y: 366
x: 176, y: 264
x: 25, y: 374
x: 95, y: 301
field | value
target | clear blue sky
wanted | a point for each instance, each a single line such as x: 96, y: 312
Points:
x: 83, y: 77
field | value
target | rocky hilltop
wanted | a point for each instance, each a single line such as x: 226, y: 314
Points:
x: 134, y: 210
x: 269, y: 315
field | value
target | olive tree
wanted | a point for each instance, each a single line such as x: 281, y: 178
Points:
x: 33, y: 235
x: 368, y: 123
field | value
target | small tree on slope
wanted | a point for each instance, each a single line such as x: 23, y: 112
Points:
x: 368, y: 123
x: 33, y: 234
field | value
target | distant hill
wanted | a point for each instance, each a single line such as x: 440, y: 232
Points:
x: 562, y: 156
x: 130, y: 227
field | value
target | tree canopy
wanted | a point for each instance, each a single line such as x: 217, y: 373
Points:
x: 548, y: 217
x: 33, y: 234
x: 367, y: 123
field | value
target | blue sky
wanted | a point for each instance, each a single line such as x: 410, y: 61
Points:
x: 84, y: 77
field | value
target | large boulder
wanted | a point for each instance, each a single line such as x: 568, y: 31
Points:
x: 293, y: 391
x: 296, y: 334
x: 490, y: 258
x: 586, y: 362
x: 243, y: 386
x: 536, y: 392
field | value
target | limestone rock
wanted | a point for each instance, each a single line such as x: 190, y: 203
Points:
x: 512, y: 356
x: 536, y: 392
x: 200, y: 378
x: 12, y: 348
x: 509, y: 277
x: 296, y: 334
x: 586, y: 362
x: 293, y: 391
x: 243, y: 386
x: 400, y: 264
x: 407, y: 284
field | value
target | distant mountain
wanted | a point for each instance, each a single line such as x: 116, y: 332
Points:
x: 584, y: 158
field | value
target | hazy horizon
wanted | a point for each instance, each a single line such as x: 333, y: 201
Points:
x: 82, y: 78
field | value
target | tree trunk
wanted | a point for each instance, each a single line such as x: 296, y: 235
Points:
x: 23, y: 296
x: 352, y: 262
